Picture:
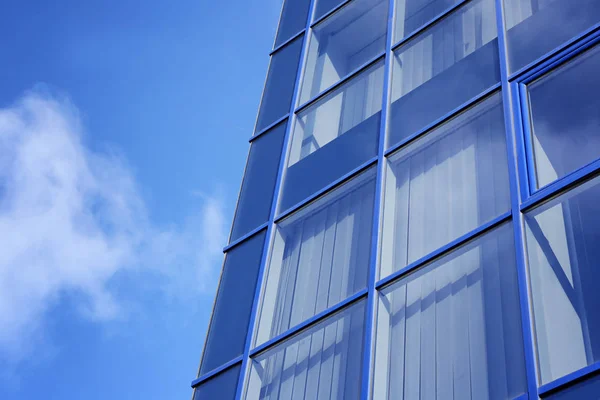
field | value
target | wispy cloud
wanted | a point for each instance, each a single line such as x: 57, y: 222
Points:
x: 72, y: 219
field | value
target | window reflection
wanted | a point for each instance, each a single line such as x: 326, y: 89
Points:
x: 412, y: 14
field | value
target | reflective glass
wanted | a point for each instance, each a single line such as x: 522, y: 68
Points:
x: 536, y: 27
x: 231, y: 314
x: 279, y: 87
x: 334, y: 136
x: 320, y: 257
x: 444, y: 67
x: 444, y: 185
x: 566, y: 127
x: 413, y: 14
x: 587, y: 389
x: 293, y: 19
x: 258, y: 185
x: 342, y: 43
x: 322, y: 362
x: 222, y: 386
x: 324, y: 6
x: 562, y: 246
x: 451, y: 330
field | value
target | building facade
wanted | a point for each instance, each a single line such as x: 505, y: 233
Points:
x: 420, y: 212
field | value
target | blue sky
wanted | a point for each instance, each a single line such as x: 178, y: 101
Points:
x: 123, y: 137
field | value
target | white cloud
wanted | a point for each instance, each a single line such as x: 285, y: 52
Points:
x: 72, y: 219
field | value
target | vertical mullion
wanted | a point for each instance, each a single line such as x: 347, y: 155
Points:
x: 518, y: 177
x: 276, y: 194
x: 370, y: 320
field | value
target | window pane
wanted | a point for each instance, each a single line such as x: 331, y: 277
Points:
x: 293, y: 19
x: 452, y: 329
x: 566, y: 127
x: 231, y: 315
x: 562, y: 244
x: 444, y: 185
x: 323, y: 362
x: 533, y: 26
x: 279, y: 88
x: 447, y: 65
x: 413, y: 14
x: 334, y: 136
x: 222, y: 386
x: 587, y: 389
x: 256, y: 194
x: 324, y: 6
x: 320, y: 257
x: 342, y: 43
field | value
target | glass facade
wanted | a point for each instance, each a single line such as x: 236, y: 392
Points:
x: 420, y: 208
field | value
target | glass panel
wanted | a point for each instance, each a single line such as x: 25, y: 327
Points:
x: 452, y: 329
x: 324, y: 6
x: 279, y: 87
x: 444, y: 67
x: 413, y: 14
x: 323, y: 362
x: 258, y: 185
x: 293, y: 19
x: 334, y: 136
x: 444, y: 185
x: 222, y: 386
x: 342, y: 43
x: 562, y: 244
x: 587, y: 389
x: 566, y: 128
x: 533, y: 26
x: 320, y: 257
x: 231, y: 315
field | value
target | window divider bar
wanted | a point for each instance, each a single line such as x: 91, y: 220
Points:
x: 525, y: 118
x: 330, y: 12
x: 216, y: 371
x: 309, y: 322
x: 268, y: 128
x: 443, y: 119
x: 245, y: 237
x: 339, y: 83
x: 569, y: 379
x: 282, y: 45
x: 444, y: 250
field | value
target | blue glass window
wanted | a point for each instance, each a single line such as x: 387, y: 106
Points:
x: 444, y: 67
x: 562, y: 246
x: 279, y: 87
x: 565, y: 121
x: 231, y: 314
x: 333, y: 136
x: 536, y: 27
x: 258, y: 185
x: 343, y: 42
x: 451, y: 330
x: 320, y: 256
x: 587, y: 389
x: 445, y: 184
x: 322, y: 362
x: 293, y: 19
x: 325, y: 6
x: 413, y: 14
x: 222, y: 386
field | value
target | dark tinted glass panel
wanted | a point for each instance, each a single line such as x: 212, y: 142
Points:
x: 334, y: 136
x: 221, y: 387
x: 279, y: 88
x: 536, y: 27
x: 324, y: 6
x: 231, y: 315
x: 293, y: 19
x: 342, y: 43
x: 412, y: 14
x: 256, y: 194
x: 444, y: 67
x: 562, y: 246
x: 588, y: 389
x: 565, y: 117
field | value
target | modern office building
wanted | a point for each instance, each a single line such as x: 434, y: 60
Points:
x: 420, y: 212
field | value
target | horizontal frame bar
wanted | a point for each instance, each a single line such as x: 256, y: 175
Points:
x: 268, y: 128
x: 245, y: 237
x: 444, y: 250
x: 282, y: 45
x: 330, y: 13
x: 305, y: 324
x: 569, y: 379
x: 216, y: 371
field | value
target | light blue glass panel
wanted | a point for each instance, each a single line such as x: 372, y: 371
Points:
x: 536, y: 27
x: 320, y: 257
x: 413, y: 14
x: 322, y: 362
x: 565, y: 117
x: 221, y: 387
x: 451, y: 330
x: 563, y: 251
x: 293, y: 19
x: 449, y: 182
x: 343, y: 42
